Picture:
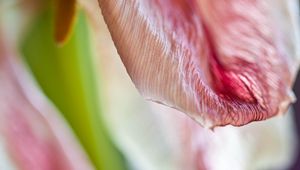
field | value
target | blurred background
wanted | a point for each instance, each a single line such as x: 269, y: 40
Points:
x: 297, y: 119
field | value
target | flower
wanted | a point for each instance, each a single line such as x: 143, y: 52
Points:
x: 207, y: 59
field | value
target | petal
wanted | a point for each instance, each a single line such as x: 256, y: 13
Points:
x: 152, y: 136
x: 34, y: 133
x: 210, y: 59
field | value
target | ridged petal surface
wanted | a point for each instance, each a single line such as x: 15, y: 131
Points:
x: 221, y: 62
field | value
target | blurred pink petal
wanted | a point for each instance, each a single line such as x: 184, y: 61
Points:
x: 34, y: 133
x: 221, y: 62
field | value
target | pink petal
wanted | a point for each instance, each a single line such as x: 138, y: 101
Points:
x: 35, y: 135
x: 153, y: 136
x: 221, y: 62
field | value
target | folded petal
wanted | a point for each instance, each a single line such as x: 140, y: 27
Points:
x: 221, y: 62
